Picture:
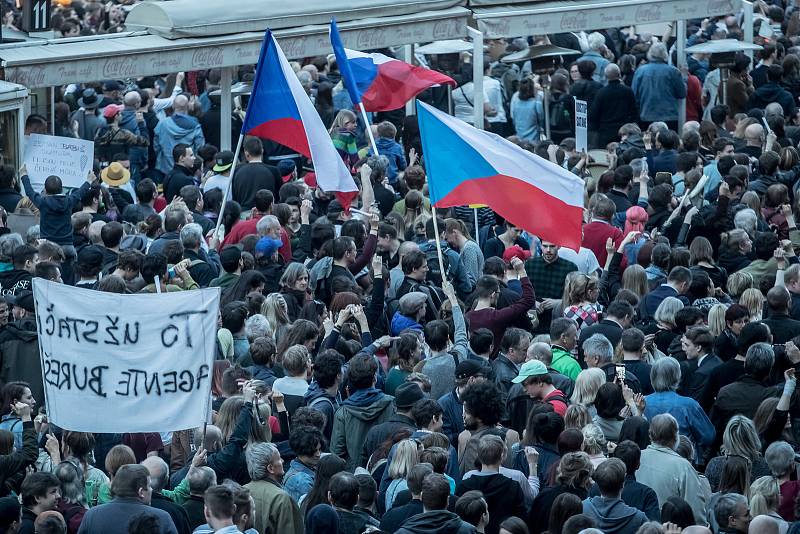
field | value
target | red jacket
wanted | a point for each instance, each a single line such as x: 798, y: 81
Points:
x: 243, y: 229
x: 595, y: 235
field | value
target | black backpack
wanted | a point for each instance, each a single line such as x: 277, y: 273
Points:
x: 561, y: 122
x: 434, y: 272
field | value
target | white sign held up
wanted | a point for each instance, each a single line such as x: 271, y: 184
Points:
x: 126, y: 363
x: 581, y: 125
x: 69, y: 159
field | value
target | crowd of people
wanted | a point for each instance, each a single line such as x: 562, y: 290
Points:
x: 642, y: 384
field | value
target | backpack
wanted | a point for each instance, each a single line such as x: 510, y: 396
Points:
x: 434, y: 272
x: 561, y: 122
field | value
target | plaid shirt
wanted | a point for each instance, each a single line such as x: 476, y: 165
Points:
x: 548, y: 278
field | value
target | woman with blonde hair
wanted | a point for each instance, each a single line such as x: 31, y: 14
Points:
x: 276, y: 311
x: 765, y: 496
x: 405, y: 457
x: 739, y: 439
x: 738, y: 282
x: 634, y: 278
x: 594, y: 444
x: 753, y: 300
x: 586, y: 387
x: 342, y: 134
x: 577, y: 416
x: 716, y: 319
x: 664, y: 326
x: 580, y: 299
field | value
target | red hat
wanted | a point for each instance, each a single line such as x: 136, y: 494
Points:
x: 310, y: 179
x: 516, y: 252
x: 111, y: 110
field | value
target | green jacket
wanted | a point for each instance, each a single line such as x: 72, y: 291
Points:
x: 564, y: 363
x: 275, y: 511
x: 224, y: 281
x: 351, y: 424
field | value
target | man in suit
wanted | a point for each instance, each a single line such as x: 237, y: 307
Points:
x: 697, y: 343
x: 618, y: 317
x: 678, y: 282
x: 780, y: 323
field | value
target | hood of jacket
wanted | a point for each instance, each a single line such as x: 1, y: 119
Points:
x: 24, y: 330
x: 315, y: 392
x: 494, y: 485
x: 14, y: 280
x: 180, y: 124
x: 770, y: 92
x: 383, y: 142
x: 400, y: 322
x: 368, y: 404
x: 435, y: 522
x: 612, y: 515
x: 127, y: 120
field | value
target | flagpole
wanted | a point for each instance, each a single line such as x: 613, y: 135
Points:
x: 477, y: 238
x: 438, y: 244
x: 230, y: 184
x: 368, y: 127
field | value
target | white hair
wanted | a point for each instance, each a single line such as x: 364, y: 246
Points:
x: 192, y: 235
x: 258, y: 456
x: 596, y: 40
x: 266, y: 223
x: 746, y: 220
x: 658, y: 52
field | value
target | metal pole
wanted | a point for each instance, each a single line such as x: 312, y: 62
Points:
x: 226, y: 109
x: 368, y: 127
x: 747, y: 25
x: 477, y: 76
x: 546, y: 87
x: 230, y: 183
x: 477, y: 237
x: 408, y: 56
x: 681, y: 45
x: 52, y: 91
x: 449, y: 99
x: 723, y: 82
x: 438, y: 244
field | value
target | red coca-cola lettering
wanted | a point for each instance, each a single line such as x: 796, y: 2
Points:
x: 119, y: 67
x: 207, y: 58
x: 574, y: 21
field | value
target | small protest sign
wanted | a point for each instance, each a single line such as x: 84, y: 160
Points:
x: 69, y: 159
x: 581, y: 125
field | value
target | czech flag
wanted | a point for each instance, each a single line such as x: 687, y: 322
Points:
x: 470, y: 166
x: 280, y: 110
x: 379, y: 82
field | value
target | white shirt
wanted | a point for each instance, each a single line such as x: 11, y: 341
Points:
x: 463, y: 102
x: 494, y: 92
x: 291, y: 386
x: 220, y: 182
x: 585, y: 259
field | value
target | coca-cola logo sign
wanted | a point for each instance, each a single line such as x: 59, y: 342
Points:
x: 207, y: 58
x: 294, y: 47
x: 29, y: 77
x: 645, y: 14
x: 574, y: 21
x: 720, y: 7
x: 119, y: 67
x: 369, y: 39
x: 445, y: 29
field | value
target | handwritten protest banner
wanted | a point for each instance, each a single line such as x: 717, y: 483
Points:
x: 581, y: 125
x: 126, y: 363
x: 69, y: 159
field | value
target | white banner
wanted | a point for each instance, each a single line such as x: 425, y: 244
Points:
x: 69, y: 159
x: 126, y: 363
x: 581, y: 124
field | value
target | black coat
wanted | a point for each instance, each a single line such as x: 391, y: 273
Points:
x: 694, y: 379
x: 610, y: 329
x: 175, y: 180
x: 9, y: 198
x: 612, y: 106
x: 194, y: 511
x: 175, y: 511
x: 503, y: 496
x: 539, y: 515
x: 782, y: 326
x: 394, y: 518
x: 773, y: 92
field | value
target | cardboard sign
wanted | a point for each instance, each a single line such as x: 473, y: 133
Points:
x: 49, y: 155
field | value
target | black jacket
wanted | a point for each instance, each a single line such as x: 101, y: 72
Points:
x: 178, y: 177
x: 394, y: 518
x: 175, y: 511
x: 772, y: 92
x: 694, y: 379
x: 539, y: 515
x: 380, y: 432
x: 504, y: 372
x: 638, y: 495
x: 27, y: 524
x: 782, y: 326
x: 12, y: 466
x: 252, y: 177
x: 9, y: 198
x: 194, y: 511
x: 14, y: 281
x: 436, y: 522
x: 201, y: 271
x: 19, y: 356
x: 503, y: 496
x: 612, y: 106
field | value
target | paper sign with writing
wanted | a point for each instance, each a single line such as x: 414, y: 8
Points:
x: 581, y: 124
x: 69, y: 159
x: 126, y: 363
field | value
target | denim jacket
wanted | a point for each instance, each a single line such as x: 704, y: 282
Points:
x: 298, y: 480
x: 658, y: 87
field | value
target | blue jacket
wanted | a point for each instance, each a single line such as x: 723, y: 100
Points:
x: 452, y: 416
x: 658, y: 87
x: 55, y: 212
x: 392, y: 150
x: 178, y: 128
x: 298, y: 479
x: 692, y: 420
x: 600, y: 62
x: 137, y: 154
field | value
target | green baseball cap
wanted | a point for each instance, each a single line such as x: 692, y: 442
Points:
x: 529, y: 369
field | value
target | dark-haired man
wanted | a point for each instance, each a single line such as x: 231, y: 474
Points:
x: 307, y: 443
x: 609, y: 511
x: 182, y: 172
x: 40, y: 493
x: 323, y: 392
x: 435, y: 516
x: 255, y: 175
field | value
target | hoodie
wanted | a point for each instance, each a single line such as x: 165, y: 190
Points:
x: 773, y: 92
x: 127, y: 121
x: 178, y: 128
x: 55, y: 212
x: 613, y: 516
x: 364, y: 409
x: 321, y: 400
x: 503, y: 496
x: 436, y: 522
x: 14, y: 281
x: 400, y: 322
x: 394, y: 152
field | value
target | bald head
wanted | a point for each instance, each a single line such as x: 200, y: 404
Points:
x: 754, y: 132
x: 763, y: 524
x: 691, y: 126
x: 133, y: 100
x: 773, y: 109
x: 180, y: 104
x: 540, y: 351
x: 159, y: 472
x: 213, y: 441
x: 612, y: 71
x: 696, y: 529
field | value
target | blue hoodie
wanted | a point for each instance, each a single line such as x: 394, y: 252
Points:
x: 178, y: 128
x: 394, y: 152
x: 136, y: 154
x: 400, y: 322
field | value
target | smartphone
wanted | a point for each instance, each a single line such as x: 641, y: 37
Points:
x: 171, y: 272
x: 621, y: 373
